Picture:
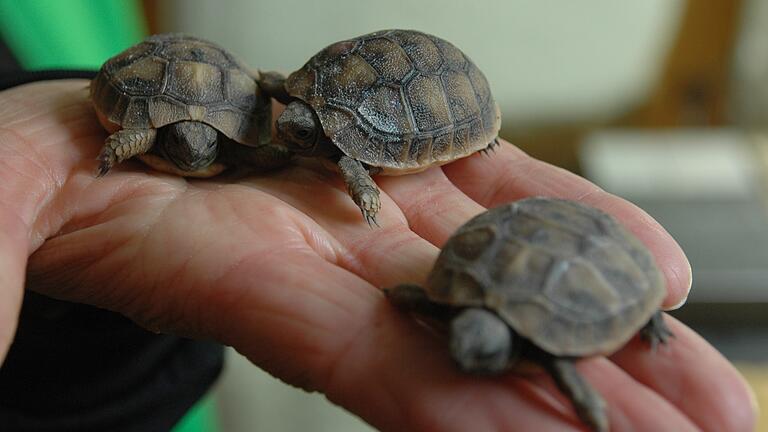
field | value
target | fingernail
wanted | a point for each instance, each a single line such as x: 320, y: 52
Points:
x: 687, y: 291
x: 679, y: 305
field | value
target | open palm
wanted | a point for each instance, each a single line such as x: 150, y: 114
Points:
x: 281, y: 266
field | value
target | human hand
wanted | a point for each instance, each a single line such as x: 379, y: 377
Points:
x: 282, y: 267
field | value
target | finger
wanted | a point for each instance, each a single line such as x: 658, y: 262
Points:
x: 13, y: 258
x: 692, y: 375
x: 28, y: 182
x: 434, y: 206
x: 509, y: 175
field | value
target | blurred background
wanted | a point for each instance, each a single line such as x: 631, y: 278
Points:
x: 663, y: 102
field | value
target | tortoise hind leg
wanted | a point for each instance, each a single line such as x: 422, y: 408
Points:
x: 588, y: 404
x: 122, y: 145
x: 656, y: 331
x: 273, y: 84
x: 361, y: 187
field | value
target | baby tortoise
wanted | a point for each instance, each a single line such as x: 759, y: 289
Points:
x: 182, y: 105
x: 546, y: 280
x: 391, y: 102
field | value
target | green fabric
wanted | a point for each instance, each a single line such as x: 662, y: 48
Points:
x: 82, y: 34
x: 78, y: 34
x: 201, y: 418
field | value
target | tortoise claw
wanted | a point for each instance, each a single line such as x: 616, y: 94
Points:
x: 656, y: 332
x: 370, y: 218
x: 491, y: 147
x: 106, y: 161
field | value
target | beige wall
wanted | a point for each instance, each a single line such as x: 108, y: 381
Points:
x: 547, y: 60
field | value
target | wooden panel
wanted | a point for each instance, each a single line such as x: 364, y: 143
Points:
x: 693, y: 89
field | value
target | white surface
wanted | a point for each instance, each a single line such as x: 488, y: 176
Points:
x: 707, y: 188
x: 690, y: 164
x: 547, y: 61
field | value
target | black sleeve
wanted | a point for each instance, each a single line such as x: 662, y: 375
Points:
x: 76, y: 367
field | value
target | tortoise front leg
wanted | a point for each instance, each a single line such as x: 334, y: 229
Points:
x: 361, y: 187
x: 588, y: 404
x: 123, y: 145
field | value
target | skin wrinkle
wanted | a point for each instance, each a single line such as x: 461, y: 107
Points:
x: 12, y: 263
x: 453, y: 411
x: 144, y: 243
x: 321, y: 294
x: 20, y: 102
x: 101, y: 258
x: 30, y: 213
x: 50, y: 183
x: 176, y: 314
x: 341, y: 255
x: 360, y: 257
x: 276, y: 255
x: 318, y: 372
x: 320, y: 242
x: 70, y: 126
x: 563, y: 422
x: 338, y: 385
x: 61, y: 287
x: 617, y: 406
x: 541, y: 389
x: 227, y: 300
x: 62, y: 283
x: 437, y: 222
x: 338, y: 361
x: 8, y: 211
x: 305, y: 378
x: 316, y: 236
x: 70, y: 206
x: 234, y: 272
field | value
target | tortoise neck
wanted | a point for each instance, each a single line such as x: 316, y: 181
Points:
x: 325, y: 148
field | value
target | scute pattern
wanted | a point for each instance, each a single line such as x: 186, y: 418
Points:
x: 384, y: 107
x: 566, y: 276
x: 196, y: 83
x: 415, y: 94
x: 170, y: 78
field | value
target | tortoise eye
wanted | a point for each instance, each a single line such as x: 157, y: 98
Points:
x: 303, y: 133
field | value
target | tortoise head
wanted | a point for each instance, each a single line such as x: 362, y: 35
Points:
x: 189, y: 145
x: 481, y: 342
x: 299, y: 128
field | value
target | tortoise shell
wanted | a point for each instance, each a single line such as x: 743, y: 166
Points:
x: 563, y: 275
x: 169, y: 78
x: 399, y: 99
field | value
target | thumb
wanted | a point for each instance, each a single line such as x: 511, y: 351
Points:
x: 38, y: 123
x: 13, y: 260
